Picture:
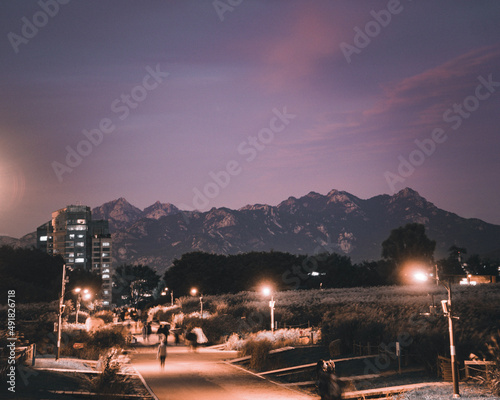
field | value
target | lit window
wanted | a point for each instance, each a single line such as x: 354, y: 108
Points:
x: 106, y: 292
x: 80, y: 260
x: 105, y: 254
x: 106, y: 244
x: 106, y: 303
x: 71, y: 255
x: 72, y: 236
x: 43, y: 238
x: 81, y: 244
x: 105, y: 271
x: 105, y: 276
x: 80, y: 221
x: 80, y: 236
x: 77, y: 228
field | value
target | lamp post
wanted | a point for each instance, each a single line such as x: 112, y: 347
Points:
x: 59, y: 316
x: 194, y: 291
x: 164, y: 293
x: 447, y: 310
x: 86, y: 296
x: 267, y: 291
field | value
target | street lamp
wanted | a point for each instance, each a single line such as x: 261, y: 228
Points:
x: 164, y: 293
x: 86, y: 296
x: 194, y: 291
x: 268, y: 291
x: 447, y: 310
x: 59, y: 316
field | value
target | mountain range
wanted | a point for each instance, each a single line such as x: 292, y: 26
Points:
x: 336, y: 222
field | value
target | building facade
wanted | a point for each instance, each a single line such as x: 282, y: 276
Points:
x: 82, y: 242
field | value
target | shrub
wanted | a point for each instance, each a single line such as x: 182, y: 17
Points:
x: 109, y: 382
x: 95, y: 343
x: 216, y: 328
x: 493, y: 376
x: 258, y: 350
x: 105, y: 315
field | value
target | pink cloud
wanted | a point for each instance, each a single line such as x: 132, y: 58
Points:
x: 427, y: 95
x: 294, y: 54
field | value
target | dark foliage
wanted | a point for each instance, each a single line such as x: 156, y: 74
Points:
x: 408, y: 242
x: 132, y: 282
x: 217, y: 274
x: 33, y: 274
x: 84, y: 279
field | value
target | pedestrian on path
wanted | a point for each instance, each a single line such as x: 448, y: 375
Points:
x: 329, y: 384
x: 162, y: 353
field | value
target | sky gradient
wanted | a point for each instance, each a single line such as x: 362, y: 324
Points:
x: 151, y: 100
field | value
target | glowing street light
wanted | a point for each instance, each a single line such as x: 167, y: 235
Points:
x: 86, y: 296
x: 268, y: 291
x: 421, y: 277
x: 194, y: 292
x: 447, y: 310
x: 164, y: 293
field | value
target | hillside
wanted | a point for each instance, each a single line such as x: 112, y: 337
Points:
x: 336, y: 222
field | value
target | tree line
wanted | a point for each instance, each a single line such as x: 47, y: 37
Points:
x: 36, y: 276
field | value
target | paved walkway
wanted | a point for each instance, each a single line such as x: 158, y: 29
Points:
x: 205, y: 375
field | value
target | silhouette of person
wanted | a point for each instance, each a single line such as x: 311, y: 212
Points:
x: 162, y: 353
x: 328, y: 383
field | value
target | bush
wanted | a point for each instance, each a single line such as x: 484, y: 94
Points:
x: 96, y: 343
x: 105, y: 315
x: 492, y: 378
x: 109, y: 382
x: 258, y: 350
x: 216, y: 328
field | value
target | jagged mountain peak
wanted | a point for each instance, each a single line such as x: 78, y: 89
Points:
x: 120, y: 213
x: 120, y: 202
x: 407, y: 192
x: 338, y: 196
x: 314, y: 195
x: 408, y: 195
x: 253, y: 207
x: 158, y: 210
x: 338, y: 221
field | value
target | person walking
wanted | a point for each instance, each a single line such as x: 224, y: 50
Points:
x: 149, y: 331
x: 162, y: 353
x: 144, y: 332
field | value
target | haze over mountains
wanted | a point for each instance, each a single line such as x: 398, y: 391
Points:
x: 336, y: 222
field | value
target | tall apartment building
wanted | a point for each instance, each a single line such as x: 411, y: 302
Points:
x: 82, y: 242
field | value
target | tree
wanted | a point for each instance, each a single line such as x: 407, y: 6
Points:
x: 134, y: 284
x: 454, y: 263
x: 33, y: 274
x: 408, y: 244
x: 82, y: 278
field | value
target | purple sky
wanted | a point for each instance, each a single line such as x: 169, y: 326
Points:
x: 358, y: 105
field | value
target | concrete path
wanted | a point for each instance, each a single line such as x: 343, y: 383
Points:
x: 205, y: 375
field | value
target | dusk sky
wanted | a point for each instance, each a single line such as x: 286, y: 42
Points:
x: 150, y: 100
